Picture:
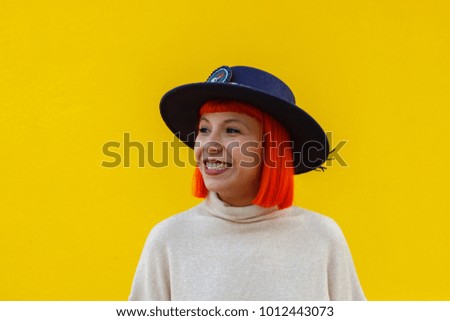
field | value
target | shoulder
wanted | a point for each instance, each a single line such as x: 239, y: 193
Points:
x: 321, y: 225
x: 175, y: 225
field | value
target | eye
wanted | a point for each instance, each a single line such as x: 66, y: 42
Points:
x: 231, y: 130
x: 202, y: 130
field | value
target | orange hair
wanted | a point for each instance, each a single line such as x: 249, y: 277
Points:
x: 277, y: 175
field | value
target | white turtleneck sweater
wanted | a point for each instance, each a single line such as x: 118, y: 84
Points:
x: 214, y: 251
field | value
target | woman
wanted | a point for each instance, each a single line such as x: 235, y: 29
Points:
x: 245, y: 241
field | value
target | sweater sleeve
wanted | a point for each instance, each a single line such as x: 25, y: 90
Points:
x: 152, y: 278
x: 343, y: 283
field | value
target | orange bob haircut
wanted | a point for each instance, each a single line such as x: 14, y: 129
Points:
x: 277, y: 180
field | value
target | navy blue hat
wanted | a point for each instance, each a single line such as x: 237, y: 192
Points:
x: 180, y: 106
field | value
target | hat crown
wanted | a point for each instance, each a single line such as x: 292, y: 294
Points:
x: 262, y: 81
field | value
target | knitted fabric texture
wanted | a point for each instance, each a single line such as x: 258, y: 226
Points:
x: 218, y: 252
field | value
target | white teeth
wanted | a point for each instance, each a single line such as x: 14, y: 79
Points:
x: 215, y: 165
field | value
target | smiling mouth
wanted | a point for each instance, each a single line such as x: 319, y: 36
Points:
x: 216, y: 165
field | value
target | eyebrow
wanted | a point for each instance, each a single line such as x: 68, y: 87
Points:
x: 231, y: 120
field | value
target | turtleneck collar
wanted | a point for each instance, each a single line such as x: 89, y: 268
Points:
x: 244, y: 214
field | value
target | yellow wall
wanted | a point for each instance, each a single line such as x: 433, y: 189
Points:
x: 75, y: 75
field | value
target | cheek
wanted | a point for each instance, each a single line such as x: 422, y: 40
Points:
x: 248, y: 155
x: 197, y: 150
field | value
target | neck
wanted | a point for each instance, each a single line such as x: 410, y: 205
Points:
x: 236, y: 201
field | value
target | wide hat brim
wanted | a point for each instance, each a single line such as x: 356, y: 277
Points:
x: 180, y: 106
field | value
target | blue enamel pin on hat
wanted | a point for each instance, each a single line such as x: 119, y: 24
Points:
x: 180, y: 106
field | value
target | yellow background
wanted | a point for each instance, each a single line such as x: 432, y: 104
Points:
x: 75, y: 75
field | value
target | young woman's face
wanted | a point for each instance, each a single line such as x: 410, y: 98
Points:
x: 229, y: 155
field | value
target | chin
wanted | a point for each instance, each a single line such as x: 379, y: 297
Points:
x: 218, y: 188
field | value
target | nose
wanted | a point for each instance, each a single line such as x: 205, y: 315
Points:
x: 213, y: 147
